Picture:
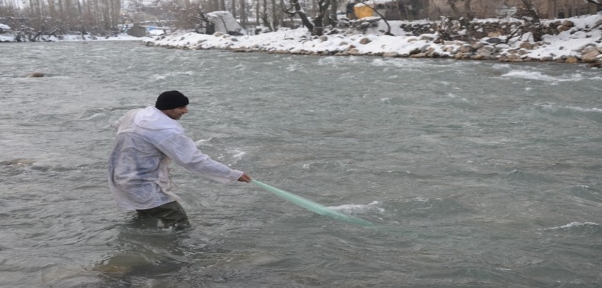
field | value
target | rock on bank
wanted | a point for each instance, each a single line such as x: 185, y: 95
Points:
x: 574, y: 40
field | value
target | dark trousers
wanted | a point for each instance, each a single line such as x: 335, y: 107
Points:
x: 171, y: 214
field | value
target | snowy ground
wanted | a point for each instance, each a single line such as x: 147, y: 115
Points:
x: 587, y: 31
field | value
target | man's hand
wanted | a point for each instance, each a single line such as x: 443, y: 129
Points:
x: 244, y: 178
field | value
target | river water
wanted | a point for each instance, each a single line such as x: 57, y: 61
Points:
x: 477, y: 174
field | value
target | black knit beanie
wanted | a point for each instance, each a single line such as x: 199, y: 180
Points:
x: 170, y: 100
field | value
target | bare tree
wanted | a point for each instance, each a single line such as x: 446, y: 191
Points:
x: 320, y: 19
x: 319, y: 22
x: 334, y: 4
x: 296, y: 9
x: 243, y: 13
x: 270, y: 13
x: 467, y: 11
x: 452, y: 5
x: 532, y: 17
x: 185, y: 14
x: 265, y: 17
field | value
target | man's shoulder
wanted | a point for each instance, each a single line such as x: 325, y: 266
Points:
x: 126, y: 121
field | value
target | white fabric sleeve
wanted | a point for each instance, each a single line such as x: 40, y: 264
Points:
x: 184, y: 152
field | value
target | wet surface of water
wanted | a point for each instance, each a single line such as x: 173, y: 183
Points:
x: 477, y: 174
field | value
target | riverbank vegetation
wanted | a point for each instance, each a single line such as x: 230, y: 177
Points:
x: 32, y: 20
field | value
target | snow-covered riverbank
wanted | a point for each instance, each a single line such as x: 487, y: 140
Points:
x: 574, y: 40
x: 10, y: 37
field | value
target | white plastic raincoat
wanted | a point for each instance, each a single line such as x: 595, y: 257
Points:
x: 147, y: 141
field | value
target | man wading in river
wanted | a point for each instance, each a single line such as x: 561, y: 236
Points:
x: 147, y: 141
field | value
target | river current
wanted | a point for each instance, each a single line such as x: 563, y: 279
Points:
x: 477, y: 174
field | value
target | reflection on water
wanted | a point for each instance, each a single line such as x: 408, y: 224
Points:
x: 144, y: 252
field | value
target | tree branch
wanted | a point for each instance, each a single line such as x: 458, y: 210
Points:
x: 297, y: 10
x: 381, y: 17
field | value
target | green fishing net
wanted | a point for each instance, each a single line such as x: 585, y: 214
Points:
x: 312, y: 206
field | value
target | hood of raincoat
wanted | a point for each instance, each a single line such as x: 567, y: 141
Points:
x: 153, y: 119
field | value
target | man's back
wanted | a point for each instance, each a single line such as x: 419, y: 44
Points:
x: 136, y: 165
